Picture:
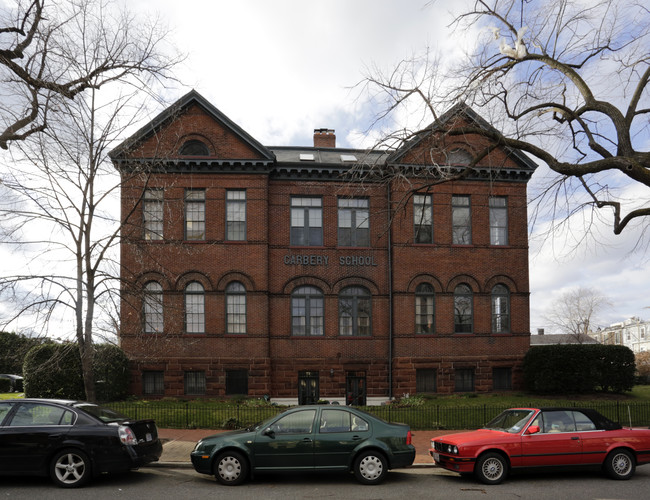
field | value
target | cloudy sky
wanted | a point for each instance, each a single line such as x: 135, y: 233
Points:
x: 280, y: 68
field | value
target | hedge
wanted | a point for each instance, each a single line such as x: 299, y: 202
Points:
x: 54, y: 371
x: 579, y: 368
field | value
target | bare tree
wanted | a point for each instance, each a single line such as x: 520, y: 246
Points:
x: 575, y: 312
x: 643, y: 364
x: 65, y: 195
x: 53, y: 50
x: 565, y: 81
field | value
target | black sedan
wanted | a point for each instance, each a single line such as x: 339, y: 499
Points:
x: 72, y: 441
x: 308, y: 438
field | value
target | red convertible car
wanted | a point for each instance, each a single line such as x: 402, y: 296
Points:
x: 528, y: 438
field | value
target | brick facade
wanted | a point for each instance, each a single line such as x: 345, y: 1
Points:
x: 275, y: 361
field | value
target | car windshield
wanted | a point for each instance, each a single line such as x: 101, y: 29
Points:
x: 511, y: 421
x: 101, y: 412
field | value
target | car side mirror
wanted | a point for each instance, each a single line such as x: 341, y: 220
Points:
x: 269, y: 432
x: 533, y: 429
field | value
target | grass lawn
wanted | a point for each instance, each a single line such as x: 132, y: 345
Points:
x: 640, y: 393
x: 11, y: 395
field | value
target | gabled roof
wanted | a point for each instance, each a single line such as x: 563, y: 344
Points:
x: 472, y: 116
x: 192, y: 97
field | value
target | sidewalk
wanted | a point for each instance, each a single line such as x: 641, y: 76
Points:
x: 178, y: 443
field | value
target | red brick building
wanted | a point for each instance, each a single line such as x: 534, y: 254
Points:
x: 259, y: 270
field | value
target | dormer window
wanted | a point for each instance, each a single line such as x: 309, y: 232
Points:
x: 459, y: 156
x: 194, y: 147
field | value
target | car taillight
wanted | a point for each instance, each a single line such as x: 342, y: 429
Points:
x: 126, y: 435
x: 409, y: 437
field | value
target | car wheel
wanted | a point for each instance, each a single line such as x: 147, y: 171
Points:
x: 491, y: 468
x: 70, y: 468
x: 231, y: 468
x: 620, y: 464
x: 370, y: 467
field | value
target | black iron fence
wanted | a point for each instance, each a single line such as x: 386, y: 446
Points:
x: 190, y: 415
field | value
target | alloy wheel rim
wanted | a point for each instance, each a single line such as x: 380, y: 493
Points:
x: 621, y: 464
x: 492, y: 469
x: 69, y: 468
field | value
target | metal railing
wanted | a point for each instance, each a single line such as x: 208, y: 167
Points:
x: 196, y: 415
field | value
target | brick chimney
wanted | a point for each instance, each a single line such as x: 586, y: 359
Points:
x: 324, y: 138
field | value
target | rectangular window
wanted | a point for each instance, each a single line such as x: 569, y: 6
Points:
x: 498, y: 221
x: 153, y: 383
x: 152, y: 214
x: 236, y: 382
x: 425, y: 380
x: 502, y: 379
x: 461, y: 220
x: 354, y: 222
x: 194, y: 214
x: 236, y: 215
x: 464, y: 380
x: 194, y: 308
x: 423, y: 218
x: 195, y: 383
x: 235, y: 308
x: 153, y: 308
x: 424, y: 309
x: 306, y: 221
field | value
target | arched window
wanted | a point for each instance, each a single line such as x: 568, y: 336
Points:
x: 463, y: 309
x: 194, y: 308
x: 424, y: 308
x: 355, y: 311
x: 153, y: 308
x: 307, y: 311
x: 459, y: 156
x: 235, y: 308
x: 194, y: 147
x: 500, y: 309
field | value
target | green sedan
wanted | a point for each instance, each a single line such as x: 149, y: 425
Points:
x: 308, y: 438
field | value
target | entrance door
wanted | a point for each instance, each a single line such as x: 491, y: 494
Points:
x: 355, y: 388
x: 308, y: 392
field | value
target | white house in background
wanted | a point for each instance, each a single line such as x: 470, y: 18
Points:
x: 633, y: 333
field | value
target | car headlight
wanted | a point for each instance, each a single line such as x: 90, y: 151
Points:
x: 451, y: 449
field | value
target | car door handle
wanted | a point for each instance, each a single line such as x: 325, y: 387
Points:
x: 575, y: 438
x: 356, y: 438
x: 306, y: 440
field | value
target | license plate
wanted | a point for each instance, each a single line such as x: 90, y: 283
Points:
x: 436, y: 457
x: 148, y: 437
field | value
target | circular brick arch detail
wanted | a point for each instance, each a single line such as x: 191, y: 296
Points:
x: 503, y: 280
x: 294, y: 283
x: 463, y: 278
x: 356, y: 281
x: 145, y: 278
x: 244, y: 279
x: 191, y: 276
x: 425, y: 278
x: 197, y: 137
